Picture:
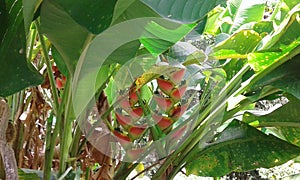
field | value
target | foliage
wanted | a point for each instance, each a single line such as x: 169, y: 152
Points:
x: 124, y: 82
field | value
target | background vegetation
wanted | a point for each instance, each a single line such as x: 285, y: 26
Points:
x: 228, y: 55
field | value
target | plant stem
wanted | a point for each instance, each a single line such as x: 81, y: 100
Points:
x: 66, y: 130
x: 49, y: 151
x: 206, y: 116
x: 124, y: 170
x: 31, y: 43
x: 76, y: 140
x: 49, y: 68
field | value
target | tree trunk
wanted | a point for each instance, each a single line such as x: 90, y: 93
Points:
x: 7, y: 153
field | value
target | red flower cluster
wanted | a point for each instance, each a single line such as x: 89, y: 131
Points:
x: 169, y: 108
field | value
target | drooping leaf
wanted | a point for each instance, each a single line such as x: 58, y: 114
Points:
x: 96, y: 55
x: 126, y: 10
x: 286, y: 33
x: 186, y: 11
x: 241, y: 42
x: 181, y: 50
x: 29, y: 8
x: 96, y: 16
x: 70, y: 40
x: 15, y: 74
x: 163, y: 35
x: 240, y: 147
x: 124, y: 53
x: 245, y: 12
x: 262, y: 27
x: 285, y: 118
x: 286, y: 115
x: 286, y: 77
x: 213, y: 20
x: 262, y: 60
x: 59, y: 61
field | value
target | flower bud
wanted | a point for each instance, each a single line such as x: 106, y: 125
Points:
x: 123, y: 139
x: 176, y: 77
x: 178, y: 93
x: 163, y: 103
x: 162, y: 121
x: 123, y: 120
x: 178, y: 111
x: 165, y: 85
x: 136, y: 132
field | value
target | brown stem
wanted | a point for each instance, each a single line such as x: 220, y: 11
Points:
x: 6, y: 150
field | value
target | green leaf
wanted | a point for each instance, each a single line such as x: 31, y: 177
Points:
x: 31, y: 174
x: 240, y: 147
x: 163, y: 35
x: 245, y: 12
x: 262, y: 60
x: 96, y: 16
x: 23, y: 175
x: 286, y: 77
x: 213, y: 20
x: 287, y: 32
x: 120, y: 7
x: 59, y: 62
x: 131, y: 9
x: 286, y: 115
x: 124, y: 53
x: 281, y: 10
x: 285, y: 118
x: 233, y: 66
x: 96, y: 55
x: 187, y: 53
x: 261, y: 27
x: 186, y: 11
x: 68, y: 37
x: 241, y: 42
x: 16, y: 73
x: 29, y: 8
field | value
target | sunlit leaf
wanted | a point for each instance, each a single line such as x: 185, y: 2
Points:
x: 241, y: 42
x: 286, y: 77
x: 246, y: 11
x: 285, y: 118
x: 262, y: 60
x: 287, y: 32
x: 213, y: 20
x: 240, y: 147
x: 163, y: 35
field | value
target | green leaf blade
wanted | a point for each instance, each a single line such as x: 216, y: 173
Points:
x: 240, y: 147
x: 95, y: 16
x: 16, y: 73
x: 186, y: 11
